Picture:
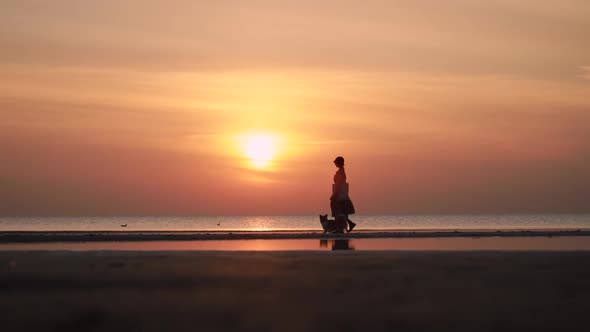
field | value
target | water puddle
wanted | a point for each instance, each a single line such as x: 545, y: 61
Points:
x: 566, y: 243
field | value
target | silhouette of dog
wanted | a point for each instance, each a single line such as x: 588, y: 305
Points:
x: 331, y: 225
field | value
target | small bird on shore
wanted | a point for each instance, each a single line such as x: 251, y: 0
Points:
x: 124, y: 225
x: 219, y: 223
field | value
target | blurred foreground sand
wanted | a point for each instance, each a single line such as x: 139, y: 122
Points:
x: 294, y: 291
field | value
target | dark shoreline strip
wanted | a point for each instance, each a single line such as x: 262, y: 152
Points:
x: 89, y: 236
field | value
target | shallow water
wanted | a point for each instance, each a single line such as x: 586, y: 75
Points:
x: 308, y: 222
x: 454, y: 244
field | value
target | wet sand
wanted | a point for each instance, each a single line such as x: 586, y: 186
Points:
x: 507, y: 243
x: 294, y: 291
x: 90, y: 236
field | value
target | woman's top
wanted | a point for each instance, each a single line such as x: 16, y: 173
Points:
x: 340, y: 176
x: 340, y: 187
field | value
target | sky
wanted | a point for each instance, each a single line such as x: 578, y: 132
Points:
x: 114, y: 108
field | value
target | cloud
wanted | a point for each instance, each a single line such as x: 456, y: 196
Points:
x: 460, y: 36
x: 585, y: 72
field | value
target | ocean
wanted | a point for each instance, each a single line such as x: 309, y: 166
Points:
x: 300, y: 223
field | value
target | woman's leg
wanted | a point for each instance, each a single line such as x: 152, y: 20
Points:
x: 350, y: 224
x: 340, y: 222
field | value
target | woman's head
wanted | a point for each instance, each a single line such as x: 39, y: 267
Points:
x: 339, y: 161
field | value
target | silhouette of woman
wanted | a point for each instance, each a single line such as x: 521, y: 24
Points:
x: 340, y: 202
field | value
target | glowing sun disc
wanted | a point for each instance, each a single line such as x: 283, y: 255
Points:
x: 260, y: 149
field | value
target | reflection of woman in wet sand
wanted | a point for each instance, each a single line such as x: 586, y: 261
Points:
x: 336, y: 244
x: 340, y: 201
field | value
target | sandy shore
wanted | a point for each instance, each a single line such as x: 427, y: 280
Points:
x: 294, y: 291
x: 87, y: 236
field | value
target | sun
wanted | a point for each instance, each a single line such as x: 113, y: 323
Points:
x: 260, y: 149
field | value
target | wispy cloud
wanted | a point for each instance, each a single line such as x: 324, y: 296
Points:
x: 203, y: 36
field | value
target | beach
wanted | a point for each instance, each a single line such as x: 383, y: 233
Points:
x: 294, y: 291
x: 100, y: 236
x: 294, y: 166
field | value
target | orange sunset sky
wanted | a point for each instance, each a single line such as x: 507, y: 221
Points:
x: 239, y: 107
